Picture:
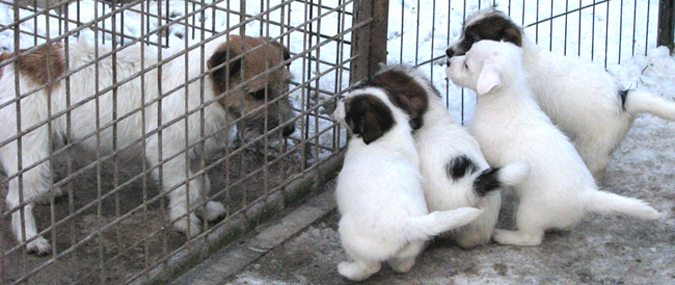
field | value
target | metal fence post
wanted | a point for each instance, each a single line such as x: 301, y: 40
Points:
x: 370, y: 41
x: 666, y: 31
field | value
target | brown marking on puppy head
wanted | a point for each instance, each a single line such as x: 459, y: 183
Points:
x: 404, y: 92
x: 42, y: 65
x: 368, y: 117
x: 486, y: 25
x: 256, y: 56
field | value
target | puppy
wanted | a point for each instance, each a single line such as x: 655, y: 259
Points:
x: 451, y: 163
x: 509, y: 126
x: 581, y: 98
x: 379, y: 193
x: 238, y: 85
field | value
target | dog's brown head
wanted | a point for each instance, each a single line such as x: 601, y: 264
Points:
x: 487, y: 24
x: 262, y: 100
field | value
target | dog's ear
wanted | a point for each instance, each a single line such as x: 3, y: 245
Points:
x: 368, y: 117
x: 513, y: 35
x: 489, y: 77
x: 223, y: 72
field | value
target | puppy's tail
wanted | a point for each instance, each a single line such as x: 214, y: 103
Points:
x: 508, y: 175
x: 639, y: 101
x: 610, y: 203
x: 422, y: 228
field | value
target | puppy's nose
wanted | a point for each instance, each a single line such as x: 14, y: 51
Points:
x: 288, y: 130
x: 449, y: 52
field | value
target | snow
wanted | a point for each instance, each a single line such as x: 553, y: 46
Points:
x: 616, y: 34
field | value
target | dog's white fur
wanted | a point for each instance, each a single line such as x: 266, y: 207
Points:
x: 35, y: 144
x: 582, y: 99
x: 380, y: 198
x: 509, y: 126
x: 440, y: 141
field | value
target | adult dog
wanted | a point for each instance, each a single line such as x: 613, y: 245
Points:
x: 246, y: 76
x: 379, y: 193
x: 581, y: 98
x: 451, y: 163
x: 509, y: 126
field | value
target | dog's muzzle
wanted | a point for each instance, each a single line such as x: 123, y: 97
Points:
x: 450, y: 53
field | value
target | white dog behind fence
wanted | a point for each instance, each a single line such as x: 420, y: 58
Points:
x: 379, y: 192
x: 510, y: 126
x: 142, y: 115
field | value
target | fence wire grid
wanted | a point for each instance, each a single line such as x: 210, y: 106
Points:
x: 104, y: 209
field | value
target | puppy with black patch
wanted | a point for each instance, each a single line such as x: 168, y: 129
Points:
x: 451, y: 163
x: 509, y: 126
x: 581, y: 98
x: 379, y: 192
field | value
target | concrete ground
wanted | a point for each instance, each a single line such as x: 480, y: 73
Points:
x: 599, y: 250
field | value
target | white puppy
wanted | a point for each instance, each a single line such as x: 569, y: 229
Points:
x: 83, y: 109
x: 379, y: 192
x: 451, y: 163
x: 510, y: 127
x: 581, y: 98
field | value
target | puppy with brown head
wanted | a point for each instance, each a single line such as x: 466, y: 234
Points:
x: 581, y: 98
x: 379, y: 192
x: 248, y: 82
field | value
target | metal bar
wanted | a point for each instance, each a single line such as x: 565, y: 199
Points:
x: 369, y: 42
x: 666, y: 24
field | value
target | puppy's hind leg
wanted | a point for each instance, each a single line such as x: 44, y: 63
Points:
x: 596, y: 146
x: 530, y: 231
x: 405, y: 259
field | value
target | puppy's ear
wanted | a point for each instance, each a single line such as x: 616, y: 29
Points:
x: 489, y: 78
x: 368, y: 117
x: 513, y: 35
x: 223, y: 72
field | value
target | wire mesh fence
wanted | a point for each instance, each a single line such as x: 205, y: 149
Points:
x: 123, y: 121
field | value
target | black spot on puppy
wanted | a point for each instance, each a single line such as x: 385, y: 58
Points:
x: 368, y: 117
x: 487, y: 181
x: 461, y: 166
x: 623, y: 94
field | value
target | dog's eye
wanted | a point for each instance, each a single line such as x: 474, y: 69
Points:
x: 466, y: 65
x: 258, y: 95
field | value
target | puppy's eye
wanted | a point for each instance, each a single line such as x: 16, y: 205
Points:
x: 466, y: 65
x: 258, y: 95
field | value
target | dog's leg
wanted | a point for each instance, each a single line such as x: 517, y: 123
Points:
x: 358, y: 270
x: 480, y: 231
x: 530, y: 230
x: 35, y: 147
x: 405, y: 259
x: 175, y: 172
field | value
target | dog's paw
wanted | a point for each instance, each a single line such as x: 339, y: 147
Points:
x: 356, y: 271
x: 518, y: 238
x: 39, y: 246
x: 214, y: 211
x: 401, y: 265
x: 194, y: 225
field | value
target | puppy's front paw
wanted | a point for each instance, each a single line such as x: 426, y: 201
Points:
x: 518, y: 238
x: 182, y: 225
x: 214, y: 210
x: 40, y: 247
x: 356, y: 271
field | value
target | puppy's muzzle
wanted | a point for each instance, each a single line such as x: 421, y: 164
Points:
x: 450, y: 52
x: 288, y: 130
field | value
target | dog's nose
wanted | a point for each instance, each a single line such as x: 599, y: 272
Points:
x: 288, y: 130
x: 449, y: 52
